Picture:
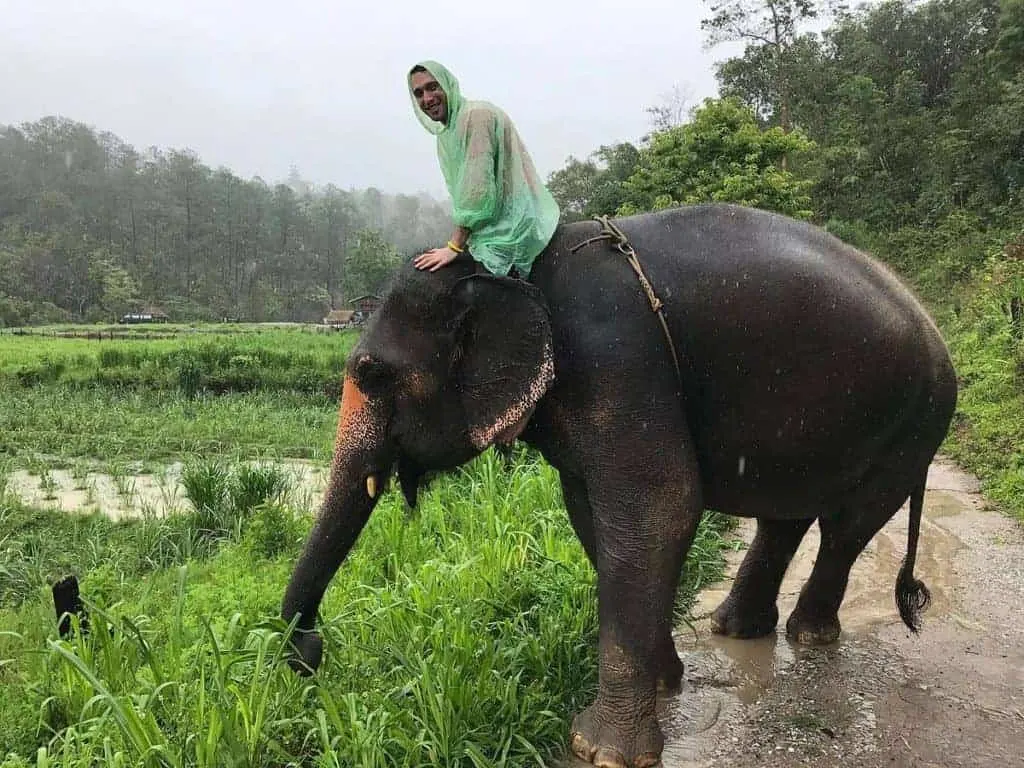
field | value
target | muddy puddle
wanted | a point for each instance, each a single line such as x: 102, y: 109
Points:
x: 951, y: 696
x: 726, y: 677
x: 129, y: 493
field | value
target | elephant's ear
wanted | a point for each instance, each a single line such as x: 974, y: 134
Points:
x: 503, y: 362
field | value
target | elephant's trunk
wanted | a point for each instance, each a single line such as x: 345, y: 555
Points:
x: 357, y: 474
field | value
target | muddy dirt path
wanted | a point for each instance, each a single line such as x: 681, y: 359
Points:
x: 951, y: 696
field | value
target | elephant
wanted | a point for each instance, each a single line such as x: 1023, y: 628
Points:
x: 808, y: 384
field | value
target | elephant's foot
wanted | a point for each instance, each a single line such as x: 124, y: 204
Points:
x: 812, y: 630
x: 670, y: 669
x: 733, y: 620
x: 597, y: 740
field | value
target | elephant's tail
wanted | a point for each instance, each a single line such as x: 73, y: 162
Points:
x: 912, y: 596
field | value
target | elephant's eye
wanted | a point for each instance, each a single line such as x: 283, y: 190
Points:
x: 374, y: 377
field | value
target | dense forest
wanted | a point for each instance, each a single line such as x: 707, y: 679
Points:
x: 898, y: 125
x: 91, y: 227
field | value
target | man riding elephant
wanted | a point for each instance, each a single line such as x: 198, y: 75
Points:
x: 810, y: 386
x: 504, y: 215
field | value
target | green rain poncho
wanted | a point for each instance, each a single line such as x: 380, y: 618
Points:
x: 495, y: 190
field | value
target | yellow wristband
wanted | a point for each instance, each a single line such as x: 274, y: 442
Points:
x: 454, y: 247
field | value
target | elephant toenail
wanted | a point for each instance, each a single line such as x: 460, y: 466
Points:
x: 647, y: 760
x: 581, y: 747
x: 609, y: 757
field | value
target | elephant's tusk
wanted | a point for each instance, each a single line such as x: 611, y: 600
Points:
x: 371, y: 486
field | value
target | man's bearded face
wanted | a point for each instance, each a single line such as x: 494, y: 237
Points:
x: 430, y: 96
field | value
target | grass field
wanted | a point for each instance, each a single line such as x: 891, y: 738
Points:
x: 462, y: 634
x: 267, y: 392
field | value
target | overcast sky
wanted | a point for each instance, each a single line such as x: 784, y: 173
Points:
x: 260, y: 85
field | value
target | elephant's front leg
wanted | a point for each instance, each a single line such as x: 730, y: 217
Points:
x: 574, y: 491
x: 645, y: 513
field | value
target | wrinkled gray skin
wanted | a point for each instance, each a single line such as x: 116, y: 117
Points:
x: 814, y: 388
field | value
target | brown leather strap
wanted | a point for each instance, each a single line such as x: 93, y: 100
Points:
x: 612, y: 233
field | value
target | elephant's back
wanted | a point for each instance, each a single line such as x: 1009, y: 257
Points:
x: 730, y: 272
x: 721, y: 250
x: 799, y: 352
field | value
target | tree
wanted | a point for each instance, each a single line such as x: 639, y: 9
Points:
x: 594, y: 186
x: 911, y: 114
x: 1010, y: 47
x: 672, y: 110
x: 114, y: 289
x: 336, y: 216
x: 370, y: 263
x: 764, y: 75
x: 573, y: 187
x: 86, y: 220
x: 722, y: 155
x: 372, y: 208
x: 403, y: 224
x: 188, y: 173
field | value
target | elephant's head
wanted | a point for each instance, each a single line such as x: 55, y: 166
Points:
x: 452, y: 362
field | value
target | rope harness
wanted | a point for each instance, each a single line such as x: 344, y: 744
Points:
x: 621, y: 243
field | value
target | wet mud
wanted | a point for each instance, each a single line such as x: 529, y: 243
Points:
x: 952, y: 695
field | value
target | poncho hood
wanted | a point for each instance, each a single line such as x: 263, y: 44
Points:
x: 450, y: 85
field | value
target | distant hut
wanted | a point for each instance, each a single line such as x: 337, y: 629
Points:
x: 364, y: 307
x: 338, y: 318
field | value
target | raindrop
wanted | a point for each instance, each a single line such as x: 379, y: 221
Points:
x: 743, y: 465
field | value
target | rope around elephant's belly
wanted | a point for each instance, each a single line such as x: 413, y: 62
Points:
x: 618, y: 238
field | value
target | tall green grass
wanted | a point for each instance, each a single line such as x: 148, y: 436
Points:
x: 106, y: 424
x: 462, y: 634
x: 38, y: 546
x: 237, y: 394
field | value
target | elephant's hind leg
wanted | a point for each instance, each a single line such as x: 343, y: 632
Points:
x: 750, y: 609
x: 815, y: 619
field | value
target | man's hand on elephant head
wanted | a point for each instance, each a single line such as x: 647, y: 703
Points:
x: 435, y: 259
